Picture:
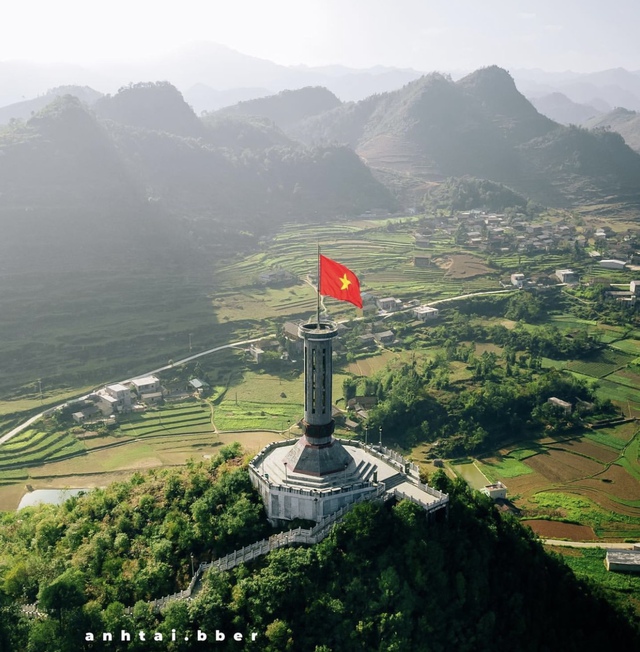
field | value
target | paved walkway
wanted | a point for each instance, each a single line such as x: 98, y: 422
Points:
x: 587, y: 544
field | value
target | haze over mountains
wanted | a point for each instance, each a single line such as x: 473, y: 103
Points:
x: 479, y: 126
x: 145, y: 160
x: 296, y: 153
x: 300, y: 154
x: 212, y: 76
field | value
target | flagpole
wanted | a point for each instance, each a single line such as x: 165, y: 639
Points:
x: 318, y: 277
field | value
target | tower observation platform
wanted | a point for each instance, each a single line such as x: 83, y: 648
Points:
x: 317, y: 474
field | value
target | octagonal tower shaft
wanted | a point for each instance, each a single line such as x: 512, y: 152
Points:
x: 318, y: 375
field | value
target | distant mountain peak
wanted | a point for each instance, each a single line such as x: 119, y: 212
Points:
x: 288, y: 107
x: 490, y: 78
x: 159, y: 106
x: 64, y: 116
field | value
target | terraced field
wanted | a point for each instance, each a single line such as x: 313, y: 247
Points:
x: 382, y: 260
x: 33, y: 447
x: 182, y: 419
x: 600, y: 365
x: 593, y: 479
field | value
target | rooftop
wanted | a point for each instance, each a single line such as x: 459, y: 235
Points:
x: 145, y: 380
x: 623, y: 556
x: 118, y: 387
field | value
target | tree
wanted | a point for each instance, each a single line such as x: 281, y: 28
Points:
x: 524, y: 306
x: 65, y: 593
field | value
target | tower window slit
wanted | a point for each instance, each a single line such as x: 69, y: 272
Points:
x: 324, y: 381
x: 313, y: 381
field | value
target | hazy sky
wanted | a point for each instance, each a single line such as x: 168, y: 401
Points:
x: 580, y: 35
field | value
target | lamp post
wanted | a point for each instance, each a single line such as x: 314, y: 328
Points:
x: 366, y: 434
x: 380, y: 437
x: 286, y: 477
x: 192, y: 571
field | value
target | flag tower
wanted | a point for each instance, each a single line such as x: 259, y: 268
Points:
x: 317, y: 453
x: 317, y: 475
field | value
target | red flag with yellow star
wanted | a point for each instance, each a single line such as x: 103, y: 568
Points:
x: 339, y: 282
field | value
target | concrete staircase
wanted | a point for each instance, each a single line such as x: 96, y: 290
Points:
x: 394, y: 481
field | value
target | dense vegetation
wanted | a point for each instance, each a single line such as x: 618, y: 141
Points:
x: 383, y: 580
x: 506, y: 394
x: 466, y: 193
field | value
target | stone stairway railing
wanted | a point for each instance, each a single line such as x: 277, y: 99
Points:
x: 299, y: 536
x: 280, y: 540
x: 441, y: 502
x: 31, y: 610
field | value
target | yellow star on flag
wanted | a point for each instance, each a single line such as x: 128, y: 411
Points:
x: 345, y: 282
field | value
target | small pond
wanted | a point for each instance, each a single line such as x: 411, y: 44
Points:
x: 49, y: 496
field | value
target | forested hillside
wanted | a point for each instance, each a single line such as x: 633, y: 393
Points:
x: 116, y: 187
x: 384, y: 579
x: 483, y: 127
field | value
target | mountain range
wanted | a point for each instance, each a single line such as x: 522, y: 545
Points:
x: 560, y: 108
x: 212, y: 76
x: 123, y: 201
x: 298, y: 154
x: 142, y: 163
x: 479, y: 126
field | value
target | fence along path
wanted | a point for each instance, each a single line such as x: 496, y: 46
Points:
x: 299, y: 536
x: 280, y: 540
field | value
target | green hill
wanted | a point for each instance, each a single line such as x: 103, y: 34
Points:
x: 112, y: 231
x: 66, y: 159
x: 240, y: 133
x: 384, y: 579
x: 24, y: 110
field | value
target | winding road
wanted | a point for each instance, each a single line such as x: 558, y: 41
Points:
x: 34, y: 418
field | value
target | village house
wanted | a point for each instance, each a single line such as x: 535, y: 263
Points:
x: 495, y: 491
x: 146, y: 385
x: 386, y: 337
x: 292, y: 341
x: 517, y: 280
x: 113, y: 398
x: 389, y: 304
x: 198, y: 386
x: 611, y: 263
x: 623, y: 561
x: 566, y: 276
x: 425, y: 313
x: 368, y: 340
x: 276, y: 277
x: 86, y: 413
